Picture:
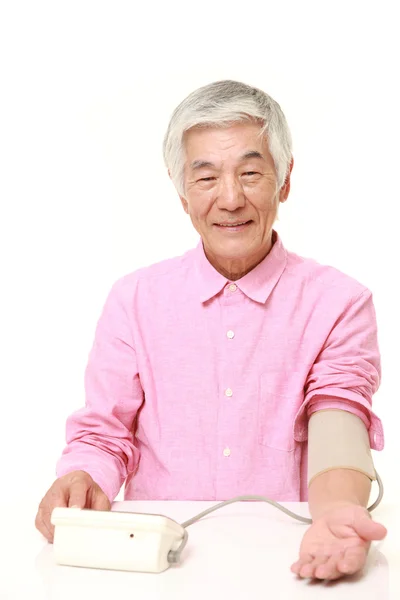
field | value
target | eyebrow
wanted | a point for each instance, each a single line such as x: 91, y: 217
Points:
x: 251, y: 154
x: 201, y: 164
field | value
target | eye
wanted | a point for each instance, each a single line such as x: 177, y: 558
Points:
x: 206, y: 179
x: 250, y: 173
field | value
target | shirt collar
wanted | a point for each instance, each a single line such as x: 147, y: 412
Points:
x: 257, y: 284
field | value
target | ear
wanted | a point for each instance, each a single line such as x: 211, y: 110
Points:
x: 285, y: 189
x: 184, y: 204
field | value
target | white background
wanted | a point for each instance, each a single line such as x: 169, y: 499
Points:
x: 87, y: 89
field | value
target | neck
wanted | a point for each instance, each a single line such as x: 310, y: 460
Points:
x: 235, y: 269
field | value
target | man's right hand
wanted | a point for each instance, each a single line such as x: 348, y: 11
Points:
x: 74, y: 489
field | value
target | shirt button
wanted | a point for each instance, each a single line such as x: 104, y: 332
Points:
x: 228, y: 392
x: 227, y: 452
x: 230, y: 334
x: 233, y: 287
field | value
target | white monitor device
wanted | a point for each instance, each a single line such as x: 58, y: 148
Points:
x: 116, y: 540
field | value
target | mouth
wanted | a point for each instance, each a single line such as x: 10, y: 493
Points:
x: 233, y: 227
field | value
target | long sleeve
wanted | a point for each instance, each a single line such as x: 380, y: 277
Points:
x: 347, y: 372
x: 100, y: 436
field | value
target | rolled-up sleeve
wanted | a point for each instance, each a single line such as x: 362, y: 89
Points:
x: 99, y: 436
x: 347, y: 371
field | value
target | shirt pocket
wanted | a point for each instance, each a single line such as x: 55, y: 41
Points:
x: 277, y: 411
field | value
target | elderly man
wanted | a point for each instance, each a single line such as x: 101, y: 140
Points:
x: 239, y: 367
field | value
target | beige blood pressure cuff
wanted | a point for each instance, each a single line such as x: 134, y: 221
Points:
x: 337, y: 439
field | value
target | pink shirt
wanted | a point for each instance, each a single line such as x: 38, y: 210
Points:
x: 198, y: 388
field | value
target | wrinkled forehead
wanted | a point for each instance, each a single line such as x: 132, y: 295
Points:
x: 206, y: 146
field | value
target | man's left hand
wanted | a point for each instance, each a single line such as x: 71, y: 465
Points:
x: 337, y: 543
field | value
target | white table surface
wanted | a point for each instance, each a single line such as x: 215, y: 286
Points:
x: 242, y: 551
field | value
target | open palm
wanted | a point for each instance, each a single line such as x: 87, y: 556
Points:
x: 337, y: 543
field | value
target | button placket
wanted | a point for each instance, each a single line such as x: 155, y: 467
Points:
x: 231, y: 302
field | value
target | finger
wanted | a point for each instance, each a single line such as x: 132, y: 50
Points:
x: 304, y: 559
x: 43, y: 518
x: 368, y: 529
x: 100, y: 501
x: 310, y: 569
x: 295, y: 567
x: 353, y: 560
x: 308, y: 566
x: 77, y: 494
x: 42, y: 527
x: 329, y: 570
x: 307, y: 571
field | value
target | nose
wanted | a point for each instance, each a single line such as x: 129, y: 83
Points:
x: 230, y: 195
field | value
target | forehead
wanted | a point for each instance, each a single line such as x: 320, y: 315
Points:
x: 225, y: 143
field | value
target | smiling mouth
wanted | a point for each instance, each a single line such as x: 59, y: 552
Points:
x: 227, y: 225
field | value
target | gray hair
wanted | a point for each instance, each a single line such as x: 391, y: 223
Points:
x: 217, y: 105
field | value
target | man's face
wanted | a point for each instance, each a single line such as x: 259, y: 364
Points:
x: 230, y: 178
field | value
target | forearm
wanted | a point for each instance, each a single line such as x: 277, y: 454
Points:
x: 337, y: 487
